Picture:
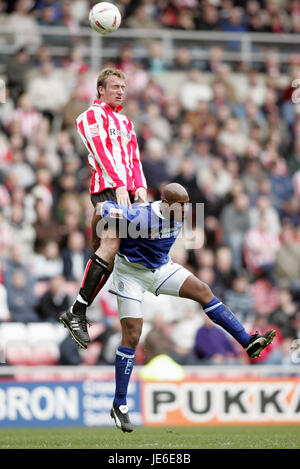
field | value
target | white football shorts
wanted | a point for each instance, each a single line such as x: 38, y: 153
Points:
x: 130, y: 281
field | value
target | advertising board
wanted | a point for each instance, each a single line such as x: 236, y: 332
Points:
x: 72, y: 403
x: 222, y: 402
x: 180, y: 403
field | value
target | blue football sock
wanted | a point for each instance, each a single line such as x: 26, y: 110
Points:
x: 222, y: 316
x: 123, y: 369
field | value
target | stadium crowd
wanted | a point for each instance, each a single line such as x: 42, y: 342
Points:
x: 261, y: 16
x: 235, y: 148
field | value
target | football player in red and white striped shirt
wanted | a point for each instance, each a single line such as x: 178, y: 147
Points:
x: 117, y: 175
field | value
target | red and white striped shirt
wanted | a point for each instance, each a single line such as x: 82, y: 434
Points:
x: 113, y: 150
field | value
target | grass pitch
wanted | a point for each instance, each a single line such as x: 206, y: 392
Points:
x: 234, y: 437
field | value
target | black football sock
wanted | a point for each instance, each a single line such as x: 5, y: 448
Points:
x: 94, y: 278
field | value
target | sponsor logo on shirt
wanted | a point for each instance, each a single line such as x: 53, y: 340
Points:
x: 164, y: 233
x: 118, y: 133
x: 116, y: 213
x: 94, y: 130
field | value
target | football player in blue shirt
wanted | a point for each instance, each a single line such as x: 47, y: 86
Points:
x: 147, y: 233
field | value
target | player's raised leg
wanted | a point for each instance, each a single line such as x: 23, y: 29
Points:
x: 220, y: 314
x: 97, y: 272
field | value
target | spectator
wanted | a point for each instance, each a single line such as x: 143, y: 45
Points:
x: 185, y: 136
x: 213, y: 346
x: 183, y: 336
x: 23, y: 173
x: 213, y: 203
x: 46, y: 229
x: 69, y: 352
x: 41, y: 5
x: 272, y: 63
x: 16, y: 261
x: 68, y: 19
x: 256, y: 88
x: 209, y: 18
x: 187, y: 178
x: 235, y: 221
x: 158, y: 340
x: 186, y: 20
x: 260, y: 248
x: 215, y: 58
x: 48, y: 264
x: 183, y: 59
x: 48, y: 17
x: 235, y: 23
x: 155, y: 62
x: 157, y: 123
x: 55, y: 301
x: 193, y: 90
x: 223, y: 179
x: 278, y: 17
x: 73, y: 107
x: 287, y: 261
x: 17, y: 70
x: 176, y: 155
x: 141, y: 17
x: 201, y: 154
x: 232, y: 136
x: 223, y: 92
x: 253, y: 172
x: 4, y: 311
x: 224, y: 272
x: 154, y: 164
x: 23, y: 233
x: 294, y: 160
x: 109, y: 341
x: 263, y: 208
x: 25, y: 117
x: 5, y: 237
x: 200, y: 119
x: 21, y: 299
x: 205, y: 258
x: 48, y: 91
x: 283, y: 316
x: 22, y: 21
x: 75, y: 257
x: 296, y: 325
x: 240, y: 299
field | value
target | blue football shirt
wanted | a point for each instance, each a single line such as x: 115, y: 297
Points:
x: 146, y: 236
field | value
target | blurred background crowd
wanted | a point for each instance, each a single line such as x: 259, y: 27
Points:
x: 228, y: 132
x: 262, y: 16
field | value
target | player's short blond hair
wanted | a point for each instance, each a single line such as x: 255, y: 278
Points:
x: 107, y: 72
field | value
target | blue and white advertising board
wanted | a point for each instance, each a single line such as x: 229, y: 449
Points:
x: 74, y: 403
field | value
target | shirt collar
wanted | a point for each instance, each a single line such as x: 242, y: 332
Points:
x: 106, y: 106
x: 155, y: 208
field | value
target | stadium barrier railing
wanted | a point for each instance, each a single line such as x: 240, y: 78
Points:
x: 238, y: 47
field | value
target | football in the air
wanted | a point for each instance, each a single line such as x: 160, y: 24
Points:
x: 105, y: 18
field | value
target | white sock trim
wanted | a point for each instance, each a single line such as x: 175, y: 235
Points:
x: 124, y: 355
x: 206, y: 310
x: 81, y: 300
